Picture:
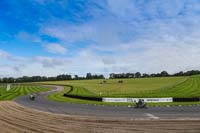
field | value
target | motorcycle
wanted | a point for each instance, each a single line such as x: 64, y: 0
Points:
x: 32, y: 97
x: 141, y: 104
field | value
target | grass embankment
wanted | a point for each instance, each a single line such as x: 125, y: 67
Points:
x: 19, y: 90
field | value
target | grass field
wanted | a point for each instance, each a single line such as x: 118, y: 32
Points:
x: 140, y: 87
x: 19, y: 90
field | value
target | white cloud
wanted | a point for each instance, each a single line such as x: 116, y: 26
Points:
x: 4, y: 54
x: 25, y: 36
x: 160, y: 55
x: 55, y: 48
x: 123, y: 8
x: 152, y: 46
x: 67, y: 32
x: 51, y: 62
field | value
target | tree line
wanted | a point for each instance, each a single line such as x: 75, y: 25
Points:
x: 44, y: 78
x: 145, y: 75
x: 95, y: 76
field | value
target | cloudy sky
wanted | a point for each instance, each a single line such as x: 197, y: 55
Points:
x: 51, y: 37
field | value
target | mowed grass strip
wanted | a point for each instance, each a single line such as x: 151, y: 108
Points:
x: 19, y: 90
x: 80, y: 91
x: 189, y: 88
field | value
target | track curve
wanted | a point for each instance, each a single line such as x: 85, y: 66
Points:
x: 42, y: 103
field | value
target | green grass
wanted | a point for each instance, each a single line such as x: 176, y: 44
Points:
x: 157, y: 87
x: 19, y: 90
x: 60, y: 98
x: 139, y: 87
x: 189, y: 88
x: 82, y: 92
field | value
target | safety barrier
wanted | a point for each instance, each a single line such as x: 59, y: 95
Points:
x: 170, y: 99
x: 84, y: 97
x: 152, y: 100
x: 194, y: 99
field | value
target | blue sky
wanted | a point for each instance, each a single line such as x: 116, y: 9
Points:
x: 50, y: 37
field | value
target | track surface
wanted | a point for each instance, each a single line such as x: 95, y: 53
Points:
x: 42, y: 103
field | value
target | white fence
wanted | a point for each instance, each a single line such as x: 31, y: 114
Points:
x: 150, y: 100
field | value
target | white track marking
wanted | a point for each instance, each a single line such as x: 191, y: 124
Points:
x: 151, y: 116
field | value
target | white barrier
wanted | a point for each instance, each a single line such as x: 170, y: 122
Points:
x: 8, y: 87
x: 148, y: 100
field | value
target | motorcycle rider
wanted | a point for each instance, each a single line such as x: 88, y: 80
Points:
x: 141, y: 104
x: 32, y: 97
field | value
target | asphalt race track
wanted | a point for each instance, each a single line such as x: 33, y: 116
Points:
x: 42, y: 103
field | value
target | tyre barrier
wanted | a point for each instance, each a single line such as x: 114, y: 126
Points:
x: 194, y: 99
x: 84, y: 97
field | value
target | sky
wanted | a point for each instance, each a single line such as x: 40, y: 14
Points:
x: 51, y: 37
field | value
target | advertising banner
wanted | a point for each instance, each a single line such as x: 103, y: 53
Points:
x: 148, y: 100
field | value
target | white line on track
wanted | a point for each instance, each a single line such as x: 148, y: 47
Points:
x: 151, y: 116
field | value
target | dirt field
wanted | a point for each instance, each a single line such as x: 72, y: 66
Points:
x: 15, y: 118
